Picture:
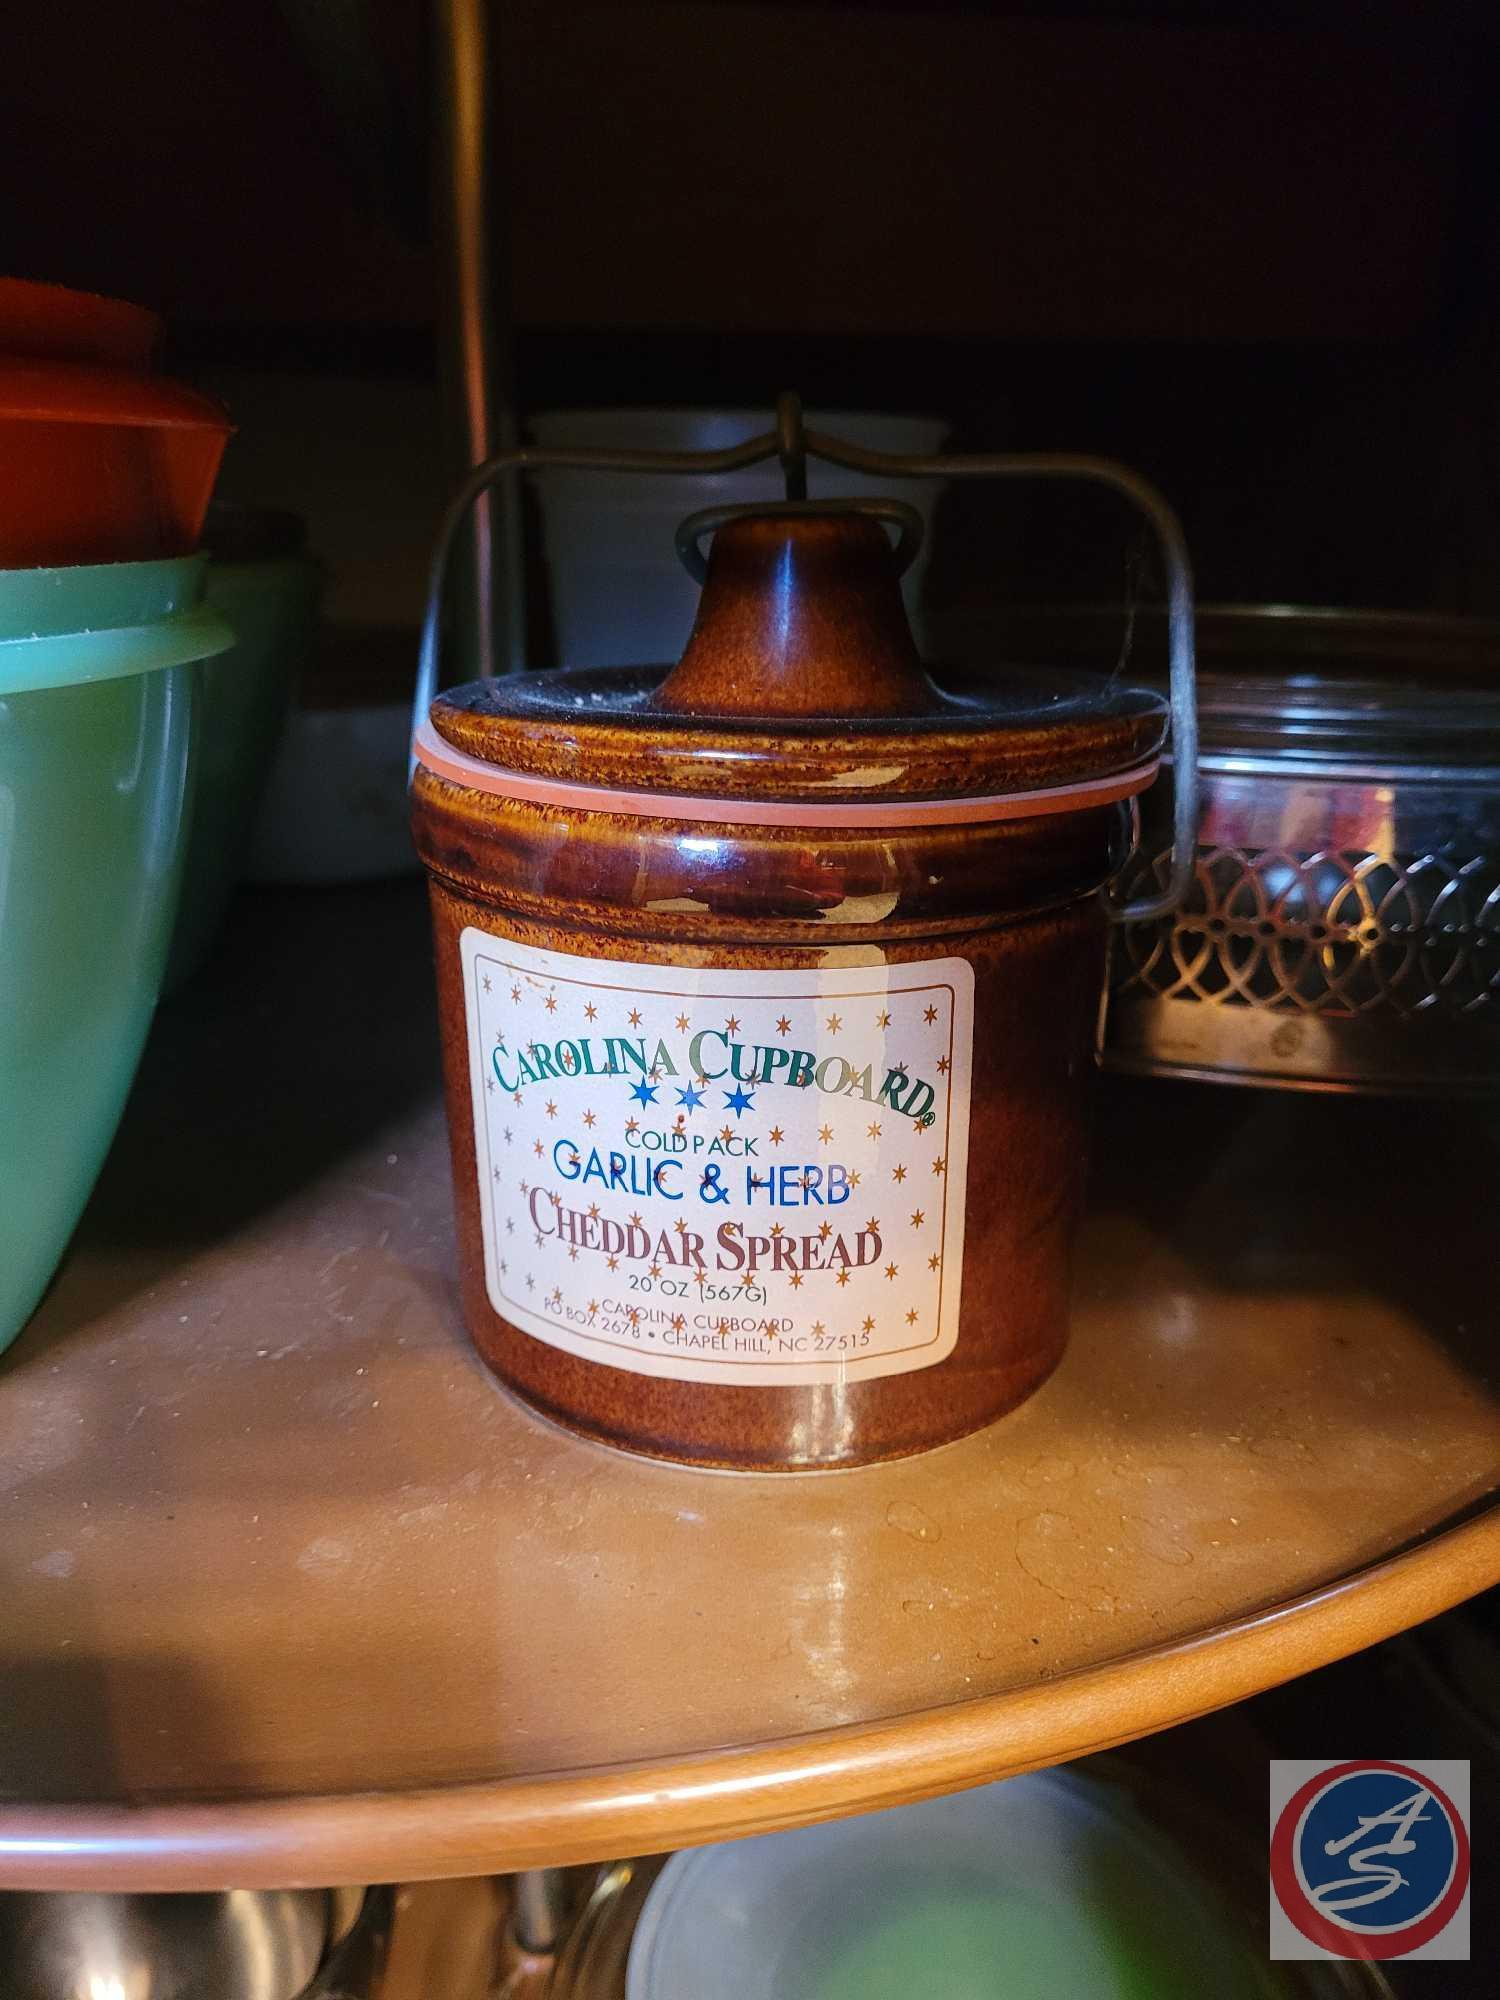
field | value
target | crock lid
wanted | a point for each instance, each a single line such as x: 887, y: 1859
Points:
x: 801, y: 683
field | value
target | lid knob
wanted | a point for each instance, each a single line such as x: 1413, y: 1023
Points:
x: 801, y: 615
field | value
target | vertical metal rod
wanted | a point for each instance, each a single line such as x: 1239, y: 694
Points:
x: 791, y: 444
x: 476, y: 324
x: 541, y: 1908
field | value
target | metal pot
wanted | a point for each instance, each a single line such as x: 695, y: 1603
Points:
x: 283, y: 1944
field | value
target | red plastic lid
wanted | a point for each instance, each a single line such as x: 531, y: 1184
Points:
x: 53, y: 323
x: 101, y: 459
x: 86, y: 392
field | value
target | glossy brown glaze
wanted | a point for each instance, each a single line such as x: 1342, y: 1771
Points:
x: 801, y: 619
x: 1037, y: 985
x: 807, y: 624
x: 800, y: 681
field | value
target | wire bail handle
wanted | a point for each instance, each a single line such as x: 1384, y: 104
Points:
x: 792, y: 445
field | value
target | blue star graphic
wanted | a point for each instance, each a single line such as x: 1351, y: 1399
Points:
x: 690, y: 1097
x: 739, y: 1099
x: 644, y: 1093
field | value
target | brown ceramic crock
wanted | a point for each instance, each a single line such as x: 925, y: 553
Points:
x: 769, y: 993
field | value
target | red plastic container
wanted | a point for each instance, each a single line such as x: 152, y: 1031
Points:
x: 101, y: 459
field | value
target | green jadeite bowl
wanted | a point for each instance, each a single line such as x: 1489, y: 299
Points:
x: 97, y: 668
x: 242, y: 699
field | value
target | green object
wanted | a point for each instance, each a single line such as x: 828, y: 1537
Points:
x: 945, y: 1944
x: 96, y: 744
x: 271, y: 604
x: 1057, y: 1886
x: 76, y: 626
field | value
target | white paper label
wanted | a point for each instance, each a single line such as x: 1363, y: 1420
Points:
x: 722, y: 1176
